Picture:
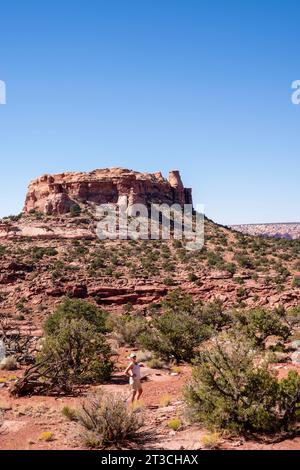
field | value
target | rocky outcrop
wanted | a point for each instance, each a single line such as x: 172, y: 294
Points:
x: 13, y: 271
x: 56, y: 194
x: 121, y: 295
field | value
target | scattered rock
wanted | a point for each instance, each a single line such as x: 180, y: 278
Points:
x: 12, y: 426
x: 295, y: 344
x: 296, y: 357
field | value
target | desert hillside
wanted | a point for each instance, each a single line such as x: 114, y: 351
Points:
x: 44, y: 258
x: 130, y: 294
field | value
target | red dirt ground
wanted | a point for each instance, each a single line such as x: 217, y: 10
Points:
x: 27, y: 418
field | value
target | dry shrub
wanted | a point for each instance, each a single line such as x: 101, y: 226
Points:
x: 69, y: 413
x: 175, y: 424
x: 211, y: 440
x: 165, y: 400
x: 108, y: 420
x: 127, y: 329
x: 46, y: 436
x: 156, y: 363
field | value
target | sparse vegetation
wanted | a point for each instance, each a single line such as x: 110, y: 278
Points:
x: 38, y: 252
x: 69, y: 413
x: 165, y: 400
x: 234, y: 389
x: 75, y: 354
x: 76, y: 309
x: 243, y: 271
x: 257, y: 324
x: 81, y: 350
x: 46, y: 436
x: 107, y: 419
x: 175, y: 424
x: 211, y: 440
x: 127, y: 328
x: 182, y: 327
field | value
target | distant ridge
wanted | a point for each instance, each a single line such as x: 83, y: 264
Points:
x: 265, y: 223
x: 288, y: 230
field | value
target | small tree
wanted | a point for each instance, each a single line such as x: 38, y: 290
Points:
x: 182, y: 327
x: 296, y: 282
x: 127, y: 328
x: 174, y: 336
x: 75, y: 354
x: 76, y: 309
x: 75, y: 210
x: 15, y: 343
x: 212, y: 314
x: 233, y: 389
x: 81, y: 350
x: 178, y: 302
x: 257, y: 324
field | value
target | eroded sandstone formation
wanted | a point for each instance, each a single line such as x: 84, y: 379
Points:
x: 56, y: 194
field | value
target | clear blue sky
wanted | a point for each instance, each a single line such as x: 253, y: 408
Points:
x: 200, y: 86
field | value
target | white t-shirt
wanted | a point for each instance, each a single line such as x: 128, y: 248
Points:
x: 136, y: 371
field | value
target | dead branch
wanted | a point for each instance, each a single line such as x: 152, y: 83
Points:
x: 22, y: 347
x: 42, y: 380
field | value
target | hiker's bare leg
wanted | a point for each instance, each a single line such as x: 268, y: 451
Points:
x: 140, y: 392
x: 133, y: 396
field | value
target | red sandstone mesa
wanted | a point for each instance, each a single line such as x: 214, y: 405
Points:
x: 56, y: 194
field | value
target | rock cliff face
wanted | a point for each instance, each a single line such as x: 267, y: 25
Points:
x: 56, y: 194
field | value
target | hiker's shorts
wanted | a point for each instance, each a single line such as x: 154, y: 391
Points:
x: 136, y: 385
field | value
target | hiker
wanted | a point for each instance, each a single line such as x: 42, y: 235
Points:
x: 134, y: 372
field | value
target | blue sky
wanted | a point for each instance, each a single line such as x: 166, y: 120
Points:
x: 200, y: 86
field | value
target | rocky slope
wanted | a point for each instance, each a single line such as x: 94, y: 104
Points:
x: 45, y: 256
x: 57, y: 194
x: 44, y: 259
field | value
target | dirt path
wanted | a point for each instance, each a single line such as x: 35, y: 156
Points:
x: 26, y: 419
